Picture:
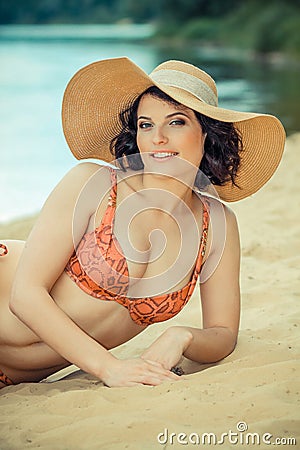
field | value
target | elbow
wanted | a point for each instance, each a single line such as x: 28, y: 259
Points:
x: 15, y: 308
x: 225, y: 344
x: 231, y: 341
x: 229, y: 345
x: 16, y: 301
x: 211, y: 345
x: 219, y: 355
x: 230, y: 349
x: 21, y: 299
x: 24, y: 299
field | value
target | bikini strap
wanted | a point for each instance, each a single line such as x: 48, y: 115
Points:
x: 205, y: 223
x: 112, y: 199
x: 203, y: 239
x: 108, y: 218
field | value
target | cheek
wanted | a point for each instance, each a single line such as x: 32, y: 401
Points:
x: 202, y: 138
x: 197, y: 148
x: 196, y: 141
x: 141, y: 142
x: 138, y: 140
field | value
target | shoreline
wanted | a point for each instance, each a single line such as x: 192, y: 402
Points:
x: 231, y: 52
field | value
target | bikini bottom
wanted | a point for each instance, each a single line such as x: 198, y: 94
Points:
x: 5, y: 380
x: 4, y: 250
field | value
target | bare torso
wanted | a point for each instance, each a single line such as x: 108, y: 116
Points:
x: 23, y: 357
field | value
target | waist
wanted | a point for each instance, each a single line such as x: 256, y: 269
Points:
x: 97, y: 318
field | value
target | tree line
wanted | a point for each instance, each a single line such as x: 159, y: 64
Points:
x: 271, y: 25
x: 107, y: 11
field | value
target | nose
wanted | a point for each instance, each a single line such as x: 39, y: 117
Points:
x: 159, y: 136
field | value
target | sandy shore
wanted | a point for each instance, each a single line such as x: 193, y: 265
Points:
x: 258, y: 385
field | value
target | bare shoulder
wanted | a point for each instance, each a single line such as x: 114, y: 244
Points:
x: 83, y: 172
x: 221, y: 211
x: 79, y: 190
x: 80, y: 181
x: 230, y: 216
x: 222, y: 229
x: 43, y: 260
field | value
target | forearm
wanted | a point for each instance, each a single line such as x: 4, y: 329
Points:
x: 58, y: 331
x: 207, y: 345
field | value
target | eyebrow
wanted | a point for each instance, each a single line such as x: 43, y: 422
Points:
x: 168, y: 116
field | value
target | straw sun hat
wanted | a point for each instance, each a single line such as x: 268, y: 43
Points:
x: 98, y: 92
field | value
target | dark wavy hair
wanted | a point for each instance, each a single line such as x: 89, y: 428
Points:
x: 222, y: 145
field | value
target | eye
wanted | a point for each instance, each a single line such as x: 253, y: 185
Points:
x: 177, y: 122
x: 144, y: 125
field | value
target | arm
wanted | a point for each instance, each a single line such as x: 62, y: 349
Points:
x: 44, y: 258
x: 220, y: 297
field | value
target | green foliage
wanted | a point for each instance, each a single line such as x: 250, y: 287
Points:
x: 181, y: 11
x: 290, y: 29
x: 271, y: 27
x: 263, y: 26
x: 46, y: 11
x: 204, y: 29
x: 76, y: 11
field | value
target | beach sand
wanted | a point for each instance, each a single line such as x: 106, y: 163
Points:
x: 256, y: 387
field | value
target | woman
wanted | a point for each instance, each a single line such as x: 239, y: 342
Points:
x: 118, y: 248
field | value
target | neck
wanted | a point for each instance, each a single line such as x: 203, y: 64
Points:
x: 168, y: 192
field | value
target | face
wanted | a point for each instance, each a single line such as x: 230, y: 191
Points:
x: 167, y: 132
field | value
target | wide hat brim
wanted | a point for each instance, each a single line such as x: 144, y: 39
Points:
x: 97, y: 93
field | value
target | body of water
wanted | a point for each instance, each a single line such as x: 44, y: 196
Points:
x: 36, y: 67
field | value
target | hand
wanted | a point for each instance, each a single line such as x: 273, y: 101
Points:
x: 168, y: 349
x: 131, y: 372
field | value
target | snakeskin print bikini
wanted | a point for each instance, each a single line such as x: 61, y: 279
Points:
x: 100, y: 269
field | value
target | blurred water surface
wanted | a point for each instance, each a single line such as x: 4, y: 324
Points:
x: 33, y: 76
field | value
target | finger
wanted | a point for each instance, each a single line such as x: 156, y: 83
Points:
x: 161, y: 365
x: 154, y: 374
x: 157, y: 380
x: 165, y: 374
x: 160, y: 370
x: 153, y: 378
x: 174, y: 376
x: 154, y: 363
x: 169, y: 373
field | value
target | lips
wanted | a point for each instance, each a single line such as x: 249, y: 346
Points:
x: 163, y: 155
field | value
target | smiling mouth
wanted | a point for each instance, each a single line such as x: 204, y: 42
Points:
x: 163, y: 155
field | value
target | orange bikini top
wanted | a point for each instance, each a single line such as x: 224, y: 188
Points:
x: 100, y: 269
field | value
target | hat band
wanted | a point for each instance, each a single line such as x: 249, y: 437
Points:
x: 189, y: 83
